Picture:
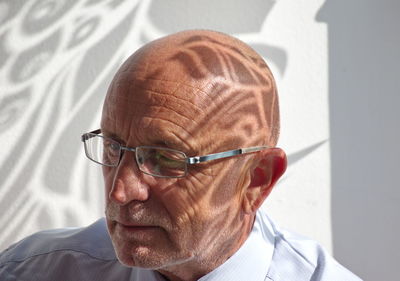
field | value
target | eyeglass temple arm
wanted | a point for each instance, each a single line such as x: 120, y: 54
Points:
x: 225, y: 154
x: 88, y: 136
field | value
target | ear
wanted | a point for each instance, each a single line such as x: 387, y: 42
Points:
x: 269, y: 166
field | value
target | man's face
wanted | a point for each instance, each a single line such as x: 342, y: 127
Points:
x: 160, y: 222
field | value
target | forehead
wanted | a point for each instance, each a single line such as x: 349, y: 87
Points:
x: 149, y: 111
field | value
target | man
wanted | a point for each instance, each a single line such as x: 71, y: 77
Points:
x: 187, y: 145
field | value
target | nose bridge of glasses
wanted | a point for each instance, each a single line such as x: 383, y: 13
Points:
x: 133, y: 149
x: 130, y: 149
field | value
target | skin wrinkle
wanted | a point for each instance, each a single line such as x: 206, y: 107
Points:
x: 154, y: 93
x: 206, y: 97
x: 172, y: 122
x: 157, y: 79
x: 193, y: 209
x: 186, y: 185
x: 217, y: 194
x: 199, y: 101
x: 190, y: 150
x: 163, y: 105
x: 198, y: 89
x: 144, y: 116
x: 174, y: 97
x: 169, y: 120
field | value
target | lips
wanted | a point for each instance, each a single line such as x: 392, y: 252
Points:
x: 135, y: 227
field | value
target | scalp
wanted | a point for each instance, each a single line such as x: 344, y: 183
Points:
x: 226, y: 82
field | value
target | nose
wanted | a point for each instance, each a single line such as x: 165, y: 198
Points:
x: 127, y: 183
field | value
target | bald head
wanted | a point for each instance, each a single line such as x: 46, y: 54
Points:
x: 214, y: 76
x: 196, y: 92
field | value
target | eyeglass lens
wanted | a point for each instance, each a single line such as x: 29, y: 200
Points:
x: 162, y: 162
x: 156, y: 161
x: 102, y: 150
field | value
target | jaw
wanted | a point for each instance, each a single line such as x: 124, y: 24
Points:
x: 212, y: 255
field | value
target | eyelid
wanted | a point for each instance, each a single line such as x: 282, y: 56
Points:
x: 167, y: 144
x: 113, y: 136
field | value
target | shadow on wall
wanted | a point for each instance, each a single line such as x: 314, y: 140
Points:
x: 364, y: 101
x: 236, y: 15
x: 56, y: 61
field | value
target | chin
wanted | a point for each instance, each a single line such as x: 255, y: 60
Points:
x: 148, y: 258
x: 139, y: 258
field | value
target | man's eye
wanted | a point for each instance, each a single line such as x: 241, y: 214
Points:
x: 111, y: 148
x: 169, y: 160
x: 114, y: 146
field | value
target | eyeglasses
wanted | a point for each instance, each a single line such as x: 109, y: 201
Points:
x: 152, y: 160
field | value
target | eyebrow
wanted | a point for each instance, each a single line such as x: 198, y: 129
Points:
x: 164, y: 141
x: 108, y: 134
x: 161, y: 141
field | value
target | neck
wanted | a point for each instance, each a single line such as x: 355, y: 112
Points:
x: 205, y: 263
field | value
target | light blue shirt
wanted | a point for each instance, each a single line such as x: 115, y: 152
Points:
x: 86, y: 254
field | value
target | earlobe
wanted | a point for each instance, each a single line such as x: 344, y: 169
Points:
x: 269, y: 167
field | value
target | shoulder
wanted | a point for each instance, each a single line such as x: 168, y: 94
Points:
x: 92, y: 240
x: 45, y: 255
x: 297, y: 257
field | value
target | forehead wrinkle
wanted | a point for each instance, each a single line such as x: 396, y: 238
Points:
x: 164, y: 104
x: 206, y: 85
x: 117, y: 99
x: 196, y: 103
x: 172, y: 140
x: 159, y: 129
x: 177, y: 96
x: 237, y: 101
x: 157, y: 135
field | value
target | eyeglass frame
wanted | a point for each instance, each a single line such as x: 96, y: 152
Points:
x: 188, y: 160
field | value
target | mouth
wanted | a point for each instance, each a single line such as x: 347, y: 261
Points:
x: 135, y: 227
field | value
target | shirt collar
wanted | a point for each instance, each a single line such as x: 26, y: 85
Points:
x: 252, y: 260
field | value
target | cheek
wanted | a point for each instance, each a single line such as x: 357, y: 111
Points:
x: 184, y: 201
x: 191, y: 202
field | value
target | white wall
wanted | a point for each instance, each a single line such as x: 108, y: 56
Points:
x: 335, y: 64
